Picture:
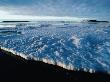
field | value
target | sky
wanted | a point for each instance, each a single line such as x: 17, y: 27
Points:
x: 92, y: 9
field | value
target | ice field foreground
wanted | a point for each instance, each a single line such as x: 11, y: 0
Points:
x: 74, y: 46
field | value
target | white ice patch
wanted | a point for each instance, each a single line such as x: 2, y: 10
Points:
x: 76, y: 41
x: 91, y: 70
x: 57, y: 53
x: 42, y: 48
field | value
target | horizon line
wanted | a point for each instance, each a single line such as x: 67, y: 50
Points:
x: 44, y: 18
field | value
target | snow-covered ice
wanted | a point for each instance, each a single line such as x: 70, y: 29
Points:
x: 74, y: 46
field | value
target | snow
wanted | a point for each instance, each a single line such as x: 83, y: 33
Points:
x: 76, y: 40
x: 76, y: 46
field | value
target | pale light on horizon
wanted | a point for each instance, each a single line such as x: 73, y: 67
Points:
x: 39, y: 18
x: 2, y: 13
x: 5, y: 16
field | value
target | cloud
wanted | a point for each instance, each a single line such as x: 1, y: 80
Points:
x: 75, y: 8
x: 3, y: 13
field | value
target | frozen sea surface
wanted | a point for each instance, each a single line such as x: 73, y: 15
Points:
x: 74, y: 46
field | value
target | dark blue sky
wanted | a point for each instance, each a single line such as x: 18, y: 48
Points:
x: 99, y: 9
